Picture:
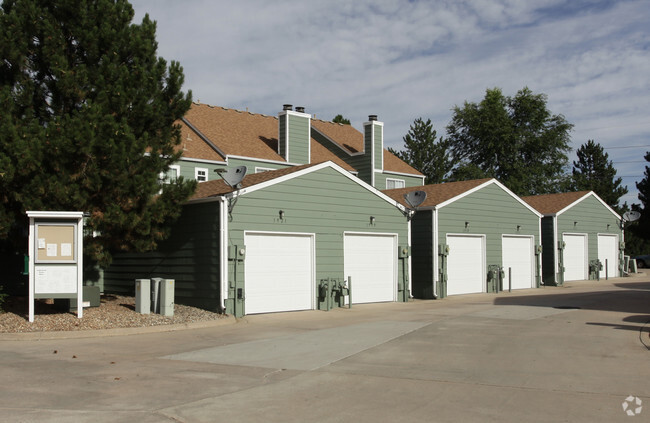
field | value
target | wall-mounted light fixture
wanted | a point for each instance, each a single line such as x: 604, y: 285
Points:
x: 281, y: 213
x: 372, y: 220
x: 518, y: 228
x: 608, y: 225
x: 575, y: 223
x: 466, y: 225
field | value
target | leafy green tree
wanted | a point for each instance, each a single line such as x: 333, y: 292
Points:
x: 639, y: 241
x: 425, y: 152
x: 87, y: 123
x: 340, y: 119
x: 595, y: 172
x: 514, y: 139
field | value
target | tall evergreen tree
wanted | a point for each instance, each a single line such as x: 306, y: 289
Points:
x: 340, y: 119
x: 641, y: 230
x: 87, y: 123
x: 425, y: 152
x: 595, y: 172
x: 514, y: 139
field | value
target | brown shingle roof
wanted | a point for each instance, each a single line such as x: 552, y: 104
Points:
x: 218, y: 187
x: 436, y: 193
x: 193, y: 146
x: 321, y: 154
x: 553, y: 203
x: 254, y: 135
x: 237, y: 133
x: 352, y: 141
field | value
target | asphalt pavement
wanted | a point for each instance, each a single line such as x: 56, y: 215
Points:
x: 578, y: 353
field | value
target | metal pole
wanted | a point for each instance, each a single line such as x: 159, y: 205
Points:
x: 509, y: 279
x: 606, y: 269
x: 349, y: 291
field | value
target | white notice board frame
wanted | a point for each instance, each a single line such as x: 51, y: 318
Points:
x: 61, y: 277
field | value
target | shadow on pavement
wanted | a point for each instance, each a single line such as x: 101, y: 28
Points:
x: 634, y: 299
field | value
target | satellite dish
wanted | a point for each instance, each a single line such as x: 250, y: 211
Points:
x: 232, y: 176
x: 415, y: 198
x: 631, y: 216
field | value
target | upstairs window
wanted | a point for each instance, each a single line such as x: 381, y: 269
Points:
x: 395, y: 183
x: 200, y: 174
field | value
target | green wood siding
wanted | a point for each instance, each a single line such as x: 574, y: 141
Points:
x: 492, y: 212
x: 379, y: 147
x: 324, y: 203
x: 299, y: 139
x: 282, y: 138
x: 363, y: 166
x: 409, y: 181
x: 422, y: 254
x: 549, y: 250
x: 190, y: 256
x: 592, y: 219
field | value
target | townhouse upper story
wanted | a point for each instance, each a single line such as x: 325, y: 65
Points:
x: 215, y: 138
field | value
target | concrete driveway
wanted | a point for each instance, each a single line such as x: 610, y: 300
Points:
x: 565, y: 354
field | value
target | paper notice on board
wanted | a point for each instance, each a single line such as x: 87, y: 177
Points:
x: 52, y: 250
x: 41, y: 243
x: 66, y: 249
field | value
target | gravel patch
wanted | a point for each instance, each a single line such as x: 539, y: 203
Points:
x: 115, y: 311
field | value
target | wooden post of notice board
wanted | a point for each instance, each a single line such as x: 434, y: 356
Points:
x: 55, y: 257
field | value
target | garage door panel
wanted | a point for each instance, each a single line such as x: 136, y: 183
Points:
x: 465, y: 265
x: 608, y: 255
x: 518, y: 261
x: 279, y: 273
x: 370, y: 260
x: 575, y: 257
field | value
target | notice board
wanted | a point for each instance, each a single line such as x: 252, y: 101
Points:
x: 55, y: 243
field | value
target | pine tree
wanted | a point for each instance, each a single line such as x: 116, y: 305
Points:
x: 87, y: 123
x: 424, y: 152
x: 639, y: 242
x: 340, y: 119
x: 595, y: 172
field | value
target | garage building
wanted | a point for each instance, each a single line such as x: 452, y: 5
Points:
x: 266, y: 246
x: 577, y: 229
x: 465, y: 229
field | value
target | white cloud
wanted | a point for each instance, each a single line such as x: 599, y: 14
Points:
x: 407, y: 59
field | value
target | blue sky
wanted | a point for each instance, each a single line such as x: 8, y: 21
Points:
x: 407, y: 59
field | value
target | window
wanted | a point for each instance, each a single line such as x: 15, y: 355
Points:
x: 172, y: 174
x: 395, y: 183
x: 262, y: 169
x: 200, y: 174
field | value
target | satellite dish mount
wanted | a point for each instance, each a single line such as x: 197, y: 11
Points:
x: 414, y: 199
x: 630, y: 216
x: 233, y: 178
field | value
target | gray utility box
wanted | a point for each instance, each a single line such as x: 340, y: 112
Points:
x: 91, y: 298
x: 143, y: 296
x: 167, y: 297
x: 154, y: 295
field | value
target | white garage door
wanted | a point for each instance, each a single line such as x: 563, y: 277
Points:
x: 607, y: 254
x: 518, y: 261
x: 465, y: 265
x: 371, y: 262
x: 279, y: 272
x: 575, y: 257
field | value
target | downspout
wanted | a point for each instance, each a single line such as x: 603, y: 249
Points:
x: 556, y: 265
x: 408, y: 260
x: 223, y: 247
x: 434, y: 241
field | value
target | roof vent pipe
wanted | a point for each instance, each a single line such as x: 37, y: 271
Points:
x: 372, y: 118
x: 300, y: 109
x: 287, y: 107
